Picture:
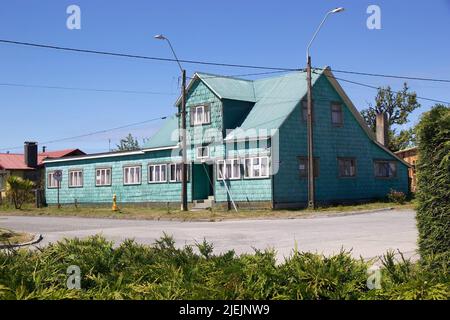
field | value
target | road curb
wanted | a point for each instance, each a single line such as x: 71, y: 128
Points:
x: 36, y: 239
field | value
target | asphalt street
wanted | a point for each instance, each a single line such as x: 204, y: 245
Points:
x: 367, y: 235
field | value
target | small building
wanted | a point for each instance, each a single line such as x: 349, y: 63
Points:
x: 246, y: 143
x: 410, y: 155
x: 29, y: 165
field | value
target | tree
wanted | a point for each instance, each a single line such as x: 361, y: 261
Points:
x: 18, y: 190
x: 403, y: 140
x: 433, y: 181
x: 129, y: 143
x: 398, y: 106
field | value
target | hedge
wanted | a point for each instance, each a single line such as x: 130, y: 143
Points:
x: 433, y: 182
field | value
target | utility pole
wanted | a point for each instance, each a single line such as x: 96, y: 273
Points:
x: 310, y: 131
x: 311, y: 187
x: 184, y: 202
x: 184, y: 205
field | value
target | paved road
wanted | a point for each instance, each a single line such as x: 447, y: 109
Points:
x: 368, y: 235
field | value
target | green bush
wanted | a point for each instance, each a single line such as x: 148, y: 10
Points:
x: 396, y: 196
x: 18, y: 190
x: 433, y: 183
x: 163, y: 271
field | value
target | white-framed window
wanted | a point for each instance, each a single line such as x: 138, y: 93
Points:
x: 385, y: 169
x: 131, y: 175
x: 347, y: 167
x: 75, y: 178
x: 203, y: 152
x: 256, y: 167
x: 157, y: 173
x: 337, y: 118
x: 103, y: 177
x: 175, y: 172
x: 51, y: 181
x: 229, y: 169
x: 200, y: 115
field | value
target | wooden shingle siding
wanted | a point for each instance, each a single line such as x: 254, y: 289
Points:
x: 331, y: 142
x: 90, y: 193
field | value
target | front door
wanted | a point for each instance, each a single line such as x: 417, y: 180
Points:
x: 202, y: 181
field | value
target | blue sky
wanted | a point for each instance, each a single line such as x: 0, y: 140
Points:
x: 413, y: 40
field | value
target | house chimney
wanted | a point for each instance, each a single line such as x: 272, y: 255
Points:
x: 382, y: 128
x: 31, y: 154
x: 43, y: 149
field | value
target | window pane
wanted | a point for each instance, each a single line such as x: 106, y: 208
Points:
x: 207, y: 114
x: 264, y: 167
x: 157, y: 173
x: 236, y: 171
x: 193, y: 115
x: 247, y: 171
x: 393, y: 169
x: 336, y: 114
x: 179, y: 172
x: 163, y: 172
x: 220, y: 169
x: 228, y: 170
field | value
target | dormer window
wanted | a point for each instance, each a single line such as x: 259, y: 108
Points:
x: 200, y: 115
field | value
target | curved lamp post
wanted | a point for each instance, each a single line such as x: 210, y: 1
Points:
x: 311, y: 189
x: 184, y: 205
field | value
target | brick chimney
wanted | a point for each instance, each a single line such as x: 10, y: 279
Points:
x: 382, y: 128
x: 31, y: 154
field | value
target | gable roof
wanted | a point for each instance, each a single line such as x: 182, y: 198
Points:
x: 281, y: 93
x: 16, y: 161
x: 59, y: 154
x: 13, y: 161
x: 163, y: 137
x: 224, y: 87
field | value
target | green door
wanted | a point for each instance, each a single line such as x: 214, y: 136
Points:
x: 202, y: 181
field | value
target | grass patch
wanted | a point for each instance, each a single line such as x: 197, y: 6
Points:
x: 216, y: 214
x: 13, y: 237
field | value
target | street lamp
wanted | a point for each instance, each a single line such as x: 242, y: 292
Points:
x: 184, y: 205
x: 311, y: 190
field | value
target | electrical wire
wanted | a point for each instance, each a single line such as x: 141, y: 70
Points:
x: 92, y: 133
x: 6, y: 84
x: 376, y: 88
x: 126, y: 55
x: 38, y: 45
x: 387, y: 75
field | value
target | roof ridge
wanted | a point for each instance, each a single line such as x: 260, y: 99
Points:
x: 222, y: 76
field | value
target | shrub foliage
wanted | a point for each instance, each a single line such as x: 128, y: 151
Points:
x: 18, y: 190
x: 164, y: 271
x: 433, y: 176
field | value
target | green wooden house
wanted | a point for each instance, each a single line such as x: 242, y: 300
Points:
x: 247, y: 144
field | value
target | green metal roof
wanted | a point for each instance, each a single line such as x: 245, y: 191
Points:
x: 228, y: 87
x: 276, y: 98
x: 163, y: 137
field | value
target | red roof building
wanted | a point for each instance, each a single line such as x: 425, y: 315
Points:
x: 29, y: 165
x: 16, y: 161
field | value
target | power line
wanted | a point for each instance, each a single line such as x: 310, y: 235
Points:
x: 387, y: 75
x: 91, y: 133
x: 6, y: 84
x: 376, y: 88
x: 126, y: 55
